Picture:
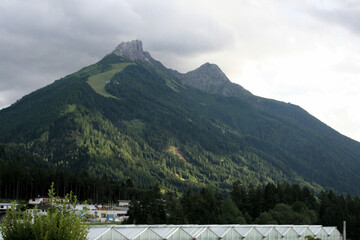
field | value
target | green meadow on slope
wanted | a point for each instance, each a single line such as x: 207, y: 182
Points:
x: 98, y: 81
x: 122, y: 119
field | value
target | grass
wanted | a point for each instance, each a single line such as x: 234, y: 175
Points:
x: 135, y: 126
x: 98, y: 81
x: 176, y: 152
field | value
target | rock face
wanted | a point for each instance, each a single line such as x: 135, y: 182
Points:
x: 209, y: 78
x: 132, y: 50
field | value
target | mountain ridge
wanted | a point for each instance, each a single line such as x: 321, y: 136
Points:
x: 133, y: 50
x: 222, y: 137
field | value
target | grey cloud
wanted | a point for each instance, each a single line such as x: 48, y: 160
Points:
x: 43, y: 40
x: 346, y: 15
x: 183, y: 30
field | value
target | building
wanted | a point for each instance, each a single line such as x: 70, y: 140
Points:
x: 39, y: 201
x: 124, y: 204
x: 212, y: 232
x: 93, y: 212
x: 4, y: 206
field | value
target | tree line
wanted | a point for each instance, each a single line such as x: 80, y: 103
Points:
x: 263, y: 204
x: 24, y: 176
x: 23, y: 183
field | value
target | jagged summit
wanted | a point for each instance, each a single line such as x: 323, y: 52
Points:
x: 208, y: 77
x: 210, y: 70
x: 135, y: 119
x: 133, y: 50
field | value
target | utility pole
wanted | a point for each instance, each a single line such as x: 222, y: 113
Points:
x: 344, y: 231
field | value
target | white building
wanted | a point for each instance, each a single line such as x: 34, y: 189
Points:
x: 94, y: 212
x: 212, y: 232
x: 4, y: 206
x: 38, y: 201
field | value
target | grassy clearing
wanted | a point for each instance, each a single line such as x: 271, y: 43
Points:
x: 176, y: 152
x: 98, y: 81
x: 135, y: 126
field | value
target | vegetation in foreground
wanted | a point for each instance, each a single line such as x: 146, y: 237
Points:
x: 24, y: 176
x: 268, y: 204
x: 60, y: 222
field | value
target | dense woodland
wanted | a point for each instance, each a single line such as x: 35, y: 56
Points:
x: 151, y: 130
x: 262, y: 204
x: 155, y: 130
x: 269, y: 204
x: 27, y: 176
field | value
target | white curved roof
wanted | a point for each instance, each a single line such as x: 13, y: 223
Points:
x: 300, y: 229
x: 96, y: 232
x: 283, y: 230
x: 243, y: 230
x: 130, y: 232
x: 315, y: 229
x: 329, y: 230
x: 195, y: 231
x: 264, y: 230
x: 220, y: 230
x: 165, y: 232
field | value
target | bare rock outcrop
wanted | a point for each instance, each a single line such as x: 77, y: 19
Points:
x: 132, y: 50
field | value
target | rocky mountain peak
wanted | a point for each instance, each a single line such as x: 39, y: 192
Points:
x: 208, y: 77
x: 209, y: 70
x: 133, y: 50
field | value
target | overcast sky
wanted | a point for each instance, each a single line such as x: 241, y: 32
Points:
x: 298, y: 51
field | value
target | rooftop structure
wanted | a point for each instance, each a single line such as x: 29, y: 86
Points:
x: 212, y: 232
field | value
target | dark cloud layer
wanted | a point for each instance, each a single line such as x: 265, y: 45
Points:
x: 41, y: 40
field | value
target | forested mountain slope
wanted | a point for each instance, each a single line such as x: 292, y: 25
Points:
x: 128, y: 116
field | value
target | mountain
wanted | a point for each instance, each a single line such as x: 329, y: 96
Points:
x: 209, y: 78
x: 128, y: 116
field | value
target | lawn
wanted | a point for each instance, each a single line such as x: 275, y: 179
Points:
x: 98, y: 81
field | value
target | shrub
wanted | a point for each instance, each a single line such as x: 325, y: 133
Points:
x: 60, y: 223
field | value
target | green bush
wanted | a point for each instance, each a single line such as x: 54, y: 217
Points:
x: 60, y: 223
x: 311, y: 238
